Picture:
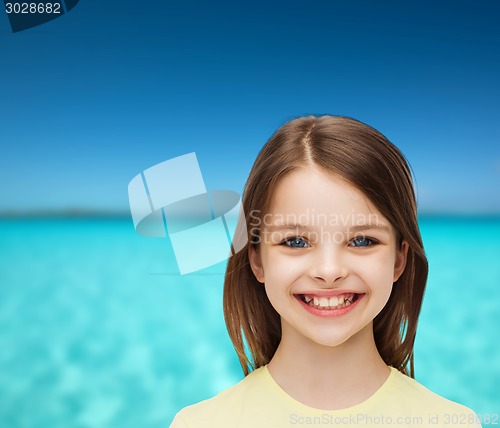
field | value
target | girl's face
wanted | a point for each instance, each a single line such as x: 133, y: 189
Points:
x: 327, y: 257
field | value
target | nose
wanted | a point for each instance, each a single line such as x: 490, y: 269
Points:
x: 328, y: 265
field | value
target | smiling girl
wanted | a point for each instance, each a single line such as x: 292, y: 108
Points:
x: 322, y: 304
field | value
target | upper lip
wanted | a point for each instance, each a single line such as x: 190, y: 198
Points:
x: 328, y: 293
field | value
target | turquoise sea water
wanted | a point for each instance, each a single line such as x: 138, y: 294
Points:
x: 97, y: 330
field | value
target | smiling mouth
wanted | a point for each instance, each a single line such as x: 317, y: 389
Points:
x: 325, y: 303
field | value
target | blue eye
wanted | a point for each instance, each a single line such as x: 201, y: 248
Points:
x: 296, y: 242
x: 361, y: 241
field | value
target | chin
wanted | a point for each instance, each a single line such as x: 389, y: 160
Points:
x: 330, y: 341
x: 333, y: 339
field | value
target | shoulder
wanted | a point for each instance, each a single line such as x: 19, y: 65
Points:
x: 225, y: 408
x: 410, y: 394
x: 413, y: 391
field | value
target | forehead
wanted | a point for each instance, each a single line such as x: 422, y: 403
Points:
x: 311, y: 194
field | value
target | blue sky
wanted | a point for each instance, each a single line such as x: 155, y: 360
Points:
x: 91, y: 99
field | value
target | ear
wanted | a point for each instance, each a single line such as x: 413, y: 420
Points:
x: 256, y: 263
x: 400, y: 262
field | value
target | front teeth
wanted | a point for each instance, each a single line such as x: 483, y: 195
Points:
x: 335, y: 302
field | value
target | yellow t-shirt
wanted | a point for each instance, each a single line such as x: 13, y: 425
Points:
x: 258, y: 401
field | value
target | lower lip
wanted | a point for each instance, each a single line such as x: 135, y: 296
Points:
x: 329, y: 313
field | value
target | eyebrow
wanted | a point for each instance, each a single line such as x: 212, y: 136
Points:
x: 380, y: 226
x: 288, y: 226
x: 294, y: 226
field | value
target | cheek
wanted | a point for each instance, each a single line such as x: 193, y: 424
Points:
x: 376, y: 268
x: 281, y: 271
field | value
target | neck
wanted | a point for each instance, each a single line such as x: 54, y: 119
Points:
x: 328, y: 377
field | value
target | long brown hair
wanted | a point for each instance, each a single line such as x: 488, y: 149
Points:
x: 369, y: 161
